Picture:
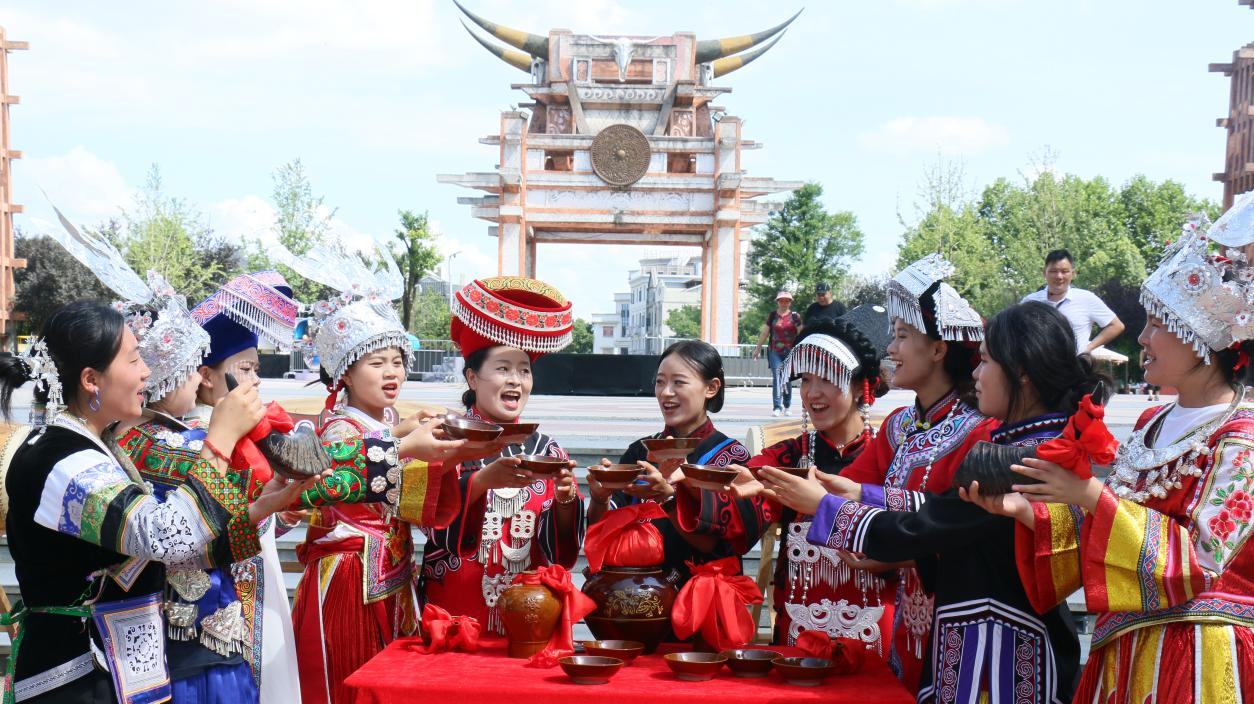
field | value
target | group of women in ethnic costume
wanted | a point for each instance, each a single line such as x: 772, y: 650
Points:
x: 143, y: 481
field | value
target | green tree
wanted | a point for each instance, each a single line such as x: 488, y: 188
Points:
x: 51, y: 279
x: 431, y: 316
x: 416, y: 256
x: 301, y: 221
x: 685, y: 321
x: 581, y: 338
x: 751, y: 321
x: 800, y: 246
x: 163, y: 233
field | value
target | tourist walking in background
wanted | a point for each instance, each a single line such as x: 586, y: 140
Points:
x: 778, y: 333
x: 825, y: 307
x: 1082, y: 308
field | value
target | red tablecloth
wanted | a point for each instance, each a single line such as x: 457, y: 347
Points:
x: 402, y: 674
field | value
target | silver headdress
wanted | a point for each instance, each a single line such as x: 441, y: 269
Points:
x: 1202, y: 292
x: 956, y: 320
x: 824, y: 356
x: 170, y: 341
x: 43, y: 371
x: 361, y: 319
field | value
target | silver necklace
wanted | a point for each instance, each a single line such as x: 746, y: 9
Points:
x: 1140, y: 472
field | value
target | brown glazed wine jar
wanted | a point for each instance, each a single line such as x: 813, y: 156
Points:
x: 529, y: 613
x: 633, y: 603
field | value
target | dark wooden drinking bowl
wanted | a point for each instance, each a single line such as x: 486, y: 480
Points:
x: 541, y: 464
x: 805, y: 672
x: 707, y: 476
x: 615, y: 476
x: 517, y: 432
x: 749, y: 662
x: 695, y: 667
x: 460, y: 428
x: 590, y: 669
x: 662, y: 449
x: 625, y: 650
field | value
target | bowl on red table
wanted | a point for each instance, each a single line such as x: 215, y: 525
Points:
x: 625, y: 650
x: 462, y: 428
x: 512, y: 433
x: 663, y: 449
x: 542, y: 464
x: 707, y: 476
x: 615, y: 476
x: 695, y: 667
x: 590, y: 669
x: 804, y: 672
x: 750, y: 662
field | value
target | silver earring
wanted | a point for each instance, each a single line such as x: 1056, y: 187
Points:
x: 94, y: 403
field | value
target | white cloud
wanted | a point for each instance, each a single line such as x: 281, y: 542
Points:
x: 87, y: 188
x: 939, y: 134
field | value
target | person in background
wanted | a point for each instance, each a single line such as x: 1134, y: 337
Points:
x: 825, y: 307
x: 780, y: 329
x: 1082, y: 308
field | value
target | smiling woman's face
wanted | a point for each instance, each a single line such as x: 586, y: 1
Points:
x: 502, y: 384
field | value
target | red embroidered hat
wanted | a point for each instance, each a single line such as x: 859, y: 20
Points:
x: 515, y: 311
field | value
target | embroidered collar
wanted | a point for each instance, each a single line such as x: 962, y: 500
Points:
x: 851, y: 447
x: 925, y: 419
x: 1047, y: 425
x: 702, y: 431
x: 360, y: 416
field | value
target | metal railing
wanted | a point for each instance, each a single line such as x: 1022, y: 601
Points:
x: 431, y: 354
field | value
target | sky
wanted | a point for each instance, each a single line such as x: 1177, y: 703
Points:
x: 378, y: 97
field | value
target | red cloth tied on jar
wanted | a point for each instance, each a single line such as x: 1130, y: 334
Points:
x: 625, y: 537
x: 845, y: 653
x: 714, y: 602
x: 575, y: 605
x: 247, y: 455
x: 443, y: 632
x: 1084, y: 440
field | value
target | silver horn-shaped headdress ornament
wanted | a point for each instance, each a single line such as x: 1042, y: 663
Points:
x: 170, y: 341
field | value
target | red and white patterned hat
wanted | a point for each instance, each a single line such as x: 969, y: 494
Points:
x: 515, y: 311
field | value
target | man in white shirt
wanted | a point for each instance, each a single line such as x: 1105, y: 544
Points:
x: 1083, y: 309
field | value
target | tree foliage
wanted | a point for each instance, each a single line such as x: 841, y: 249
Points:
x: 801, y: 245
x: 414, y: 250
x: 997, y: 240
x: 582, y: 338
x: 51, y: 279
x: 685, y: 321
x: 163, y: 233
x: 301, y: 222
x: 431, y: 316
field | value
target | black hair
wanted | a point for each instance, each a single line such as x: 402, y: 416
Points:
x: 1227, y: 361
x: 1034, y: 340
x: 961, y: 357
x: 863, y: 349
x: 706, y: 361
x: 80, y: 335
x: 474, y: 362
x: 1057, y: 255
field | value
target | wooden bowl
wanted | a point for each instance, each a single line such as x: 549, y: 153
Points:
x: 542, y: 464
x: 459, y: 428
x: 804, y: 672
x: 663, y: 449
x: 795, y: 471
x: 590, y: 669
x: 695, y: 667
x: 517, y: 432
x: 615, y: 476
x: 707, y: 476
x: 750, y: 662
x: 625, y: 650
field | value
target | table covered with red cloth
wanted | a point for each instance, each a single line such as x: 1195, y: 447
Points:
x: 402, y: 674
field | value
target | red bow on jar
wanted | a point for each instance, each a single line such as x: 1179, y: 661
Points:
x: 575, y: 605
x: 624, y: 537
x: 247, y: 456
x: 443, y: 632
x: 1084, y: 440
x: 845, y: 653
x: 714, y: 602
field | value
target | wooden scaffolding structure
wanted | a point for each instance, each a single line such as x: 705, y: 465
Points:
x: 8, y: 263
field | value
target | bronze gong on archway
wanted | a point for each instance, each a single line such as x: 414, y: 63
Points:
x: 620, y: 155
